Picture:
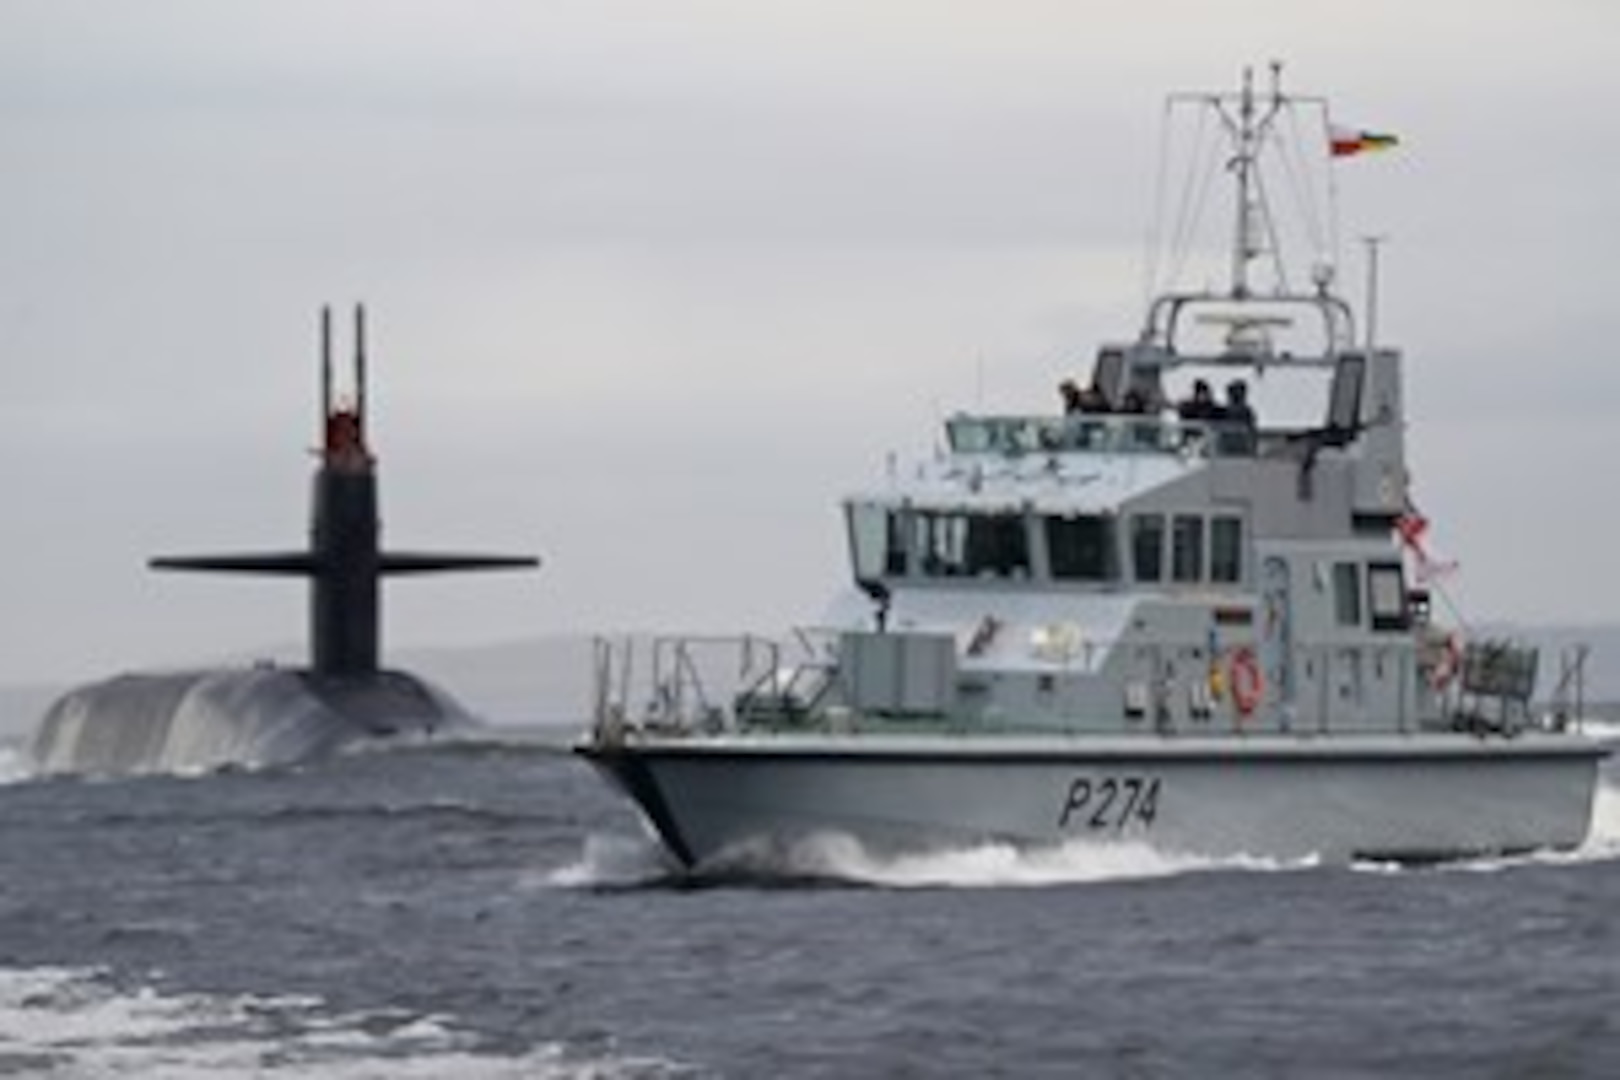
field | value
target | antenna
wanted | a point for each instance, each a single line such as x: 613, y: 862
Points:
x: 326, y: 369
x: 1256, y: 129
x: 1243, y: 247
x: 1372, y: 243
x: 360, y: 369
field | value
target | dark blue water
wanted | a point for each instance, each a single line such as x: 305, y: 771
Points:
x: 491, y: 911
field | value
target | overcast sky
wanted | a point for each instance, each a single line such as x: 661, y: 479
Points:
x: 653, y: 282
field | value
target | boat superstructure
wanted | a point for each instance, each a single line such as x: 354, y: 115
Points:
x: 1151, y: 615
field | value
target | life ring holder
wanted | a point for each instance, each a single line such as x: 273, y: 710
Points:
x: 1248, y: 685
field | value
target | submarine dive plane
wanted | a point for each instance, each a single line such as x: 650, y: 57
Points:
x: 266, y: 715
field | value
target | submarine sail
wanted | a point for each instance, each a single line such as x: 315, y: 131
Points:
x: 208, y: 719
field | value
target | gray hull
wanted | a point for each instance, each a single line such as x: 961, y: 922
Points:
x: 250, y: 718
x: 1415, y: 797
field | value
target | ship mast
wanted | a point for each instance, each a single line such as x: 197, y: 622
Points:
x: 1248, y: 122
x: 1248, y: 131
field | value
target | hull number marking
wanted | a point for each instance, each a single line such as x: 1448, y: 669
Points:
x: 1110, y: 803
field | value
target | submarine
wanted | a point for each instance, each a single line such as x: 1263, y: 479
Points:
x: 263, y: 715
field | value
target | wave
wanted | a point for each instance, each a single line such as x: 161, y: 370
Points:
x: 474, y: 740
x: 616, y: 861
x: 613, y: 861
x: 77, y: 1022
x: 1602, y: 840
x: 440, y: 810
x: 1080, y: 861
x: 1604, y: 731
x: 15, y: 763
x: 842, y: 858
x: 838, y: 859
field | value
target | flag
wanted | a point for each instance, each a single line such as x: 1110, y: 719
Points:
x: 1344, y: 142
x: 1412, y: 528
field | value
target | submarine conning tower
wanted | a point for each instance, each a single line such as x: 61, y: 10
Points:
x: 344, y: 561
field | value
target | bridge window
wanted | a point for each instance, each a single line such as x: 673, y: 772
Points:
x: 1347, y: 593
x: 1187, y: 549
x: 877, y: 541
x: 1386, y: 596
x: 950, y: 544
x: 1081, y: 548
x: 1147, y: 547
x: 1226, y: 550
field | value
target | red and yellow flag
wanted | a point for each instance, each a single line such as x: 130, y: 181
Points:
x: 1344, y: 142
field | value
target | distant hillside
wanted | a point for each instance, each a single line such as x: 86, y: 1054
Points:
x: 547, y: 680
x: 1602, y: 673
x: 22, y: 706
x: 536, y: 681
x: 543, y: 680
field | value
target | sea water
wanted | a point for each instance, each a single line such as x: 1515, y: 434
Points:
x: 491, y: 909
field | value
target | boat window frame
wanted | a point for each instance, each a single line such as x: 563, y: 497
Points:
x: 1133, y: 543
x: 943, y: 544
x: 894, y: 529
x: 1106, y: 548
x: 1238, y: 539
x: 1196, y: 549
x: 1347, y: 585
x: 1385, y: 616
x: 931, y: 545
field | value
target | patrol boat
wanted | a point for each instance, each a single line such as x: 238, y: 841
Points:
x: 1126, y: 622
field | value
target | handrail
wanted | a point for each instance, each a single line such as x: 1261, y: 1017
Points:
x: 1338, y: 323
x: 686, y: 681
x: 711, y: 683
x: 1113, y: 432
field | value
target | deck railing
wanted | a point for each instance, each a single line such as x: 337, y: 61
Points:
x: 716, y: 683
x: 707, y: 682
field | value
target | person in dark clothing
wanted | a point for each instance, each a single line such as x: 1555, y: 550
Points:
x: 1237, y: 408
x: 1076, y: 400
x: 1070, y: 393
x: 1201, y: 406
x: 1237, y: 420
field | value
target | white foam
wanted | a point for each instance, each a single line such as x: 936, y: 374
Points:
x: 1602, y: 843
x: 614, y: 861
x: 14, y: 764
x: 1604, y: 731
x: 1605, y: 834
x: 1602, y: 840
x: 75, y: 1023
x: 1002, y: 865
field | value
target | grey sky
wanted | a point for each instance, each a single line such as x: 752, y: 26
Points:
x: 652, y: 282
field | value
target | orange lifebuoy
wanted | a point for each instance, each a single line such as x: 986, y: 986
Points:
x: 1248, y: 685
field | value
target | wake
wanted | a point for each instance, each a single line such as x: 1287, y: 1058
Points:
x: 830, y: 859
x: 838, y: 859
x: 1602, y: 840
x: 15, y: 763
x: 78, y: 1022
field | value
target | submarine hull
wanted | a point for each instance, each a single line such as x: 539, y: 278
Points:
x: 203, y: 721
